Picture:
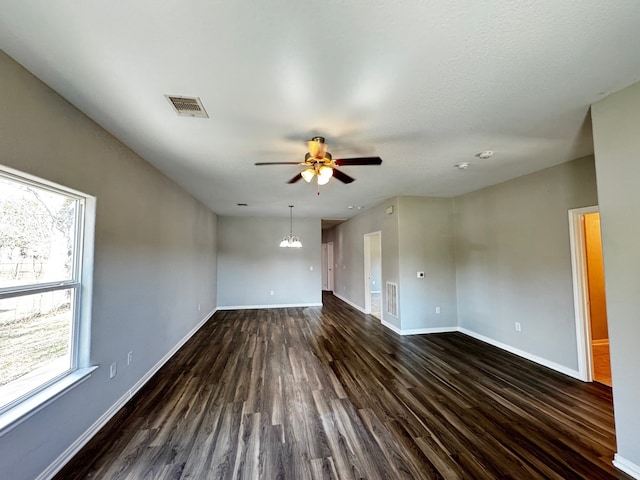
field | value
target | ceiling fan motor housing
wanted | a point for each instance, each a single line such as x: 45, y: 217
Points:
x: 317, y: 147
x: 309, y: 158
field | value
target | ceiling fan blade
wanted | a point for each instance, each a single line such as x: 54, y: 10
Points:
x: 343, y: 177
x: 295, y: 179
x: 358, y: 161
x: 277, y: 163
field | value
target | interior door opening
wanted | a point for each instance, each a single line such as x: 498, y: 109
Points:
x: 373, y: 274
x: 597, y: 300
x: 327, y: 266
x: 589, y: 295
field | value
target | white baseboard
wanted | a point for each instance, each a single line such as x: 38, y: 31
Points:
x: 521, y: 353
x: 349, y: 302
x: 273, y: 305
x: 391, y: 327
x: 626, y: 466
x: 75, y: 447
x: 426, y: 331
x: 419, y: 331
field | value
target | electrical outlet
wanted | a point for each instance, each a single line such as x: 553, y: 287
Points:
x: 437, y: 309
x: 311, y: 268
x: 271, y: 292
x: 518, y: 327
x: 113, y: 370
x: 130, y: 358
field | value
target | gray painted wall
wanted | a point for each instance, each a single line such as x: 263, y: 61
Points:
x: 155, y: 258
x: 349, y: 253
x: 427, y: 245
x: 616, y: 123
x: 418, y: 235
x: 251, y: 264
x: 513, y: 259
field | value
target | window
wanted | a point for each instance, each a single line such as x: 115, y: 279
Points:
x: 46, y: 238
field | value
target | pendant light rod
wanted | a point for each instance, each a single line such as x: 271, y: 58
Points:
x: 290, y: 219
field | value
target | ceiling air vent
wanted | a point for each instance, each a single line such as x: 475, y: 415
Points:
x: 187, y: 106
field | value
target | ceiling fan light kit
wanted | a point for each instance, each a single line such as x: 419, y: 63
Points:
x: 324, y: 175
x: 320, y: 164
x: 291, y: 240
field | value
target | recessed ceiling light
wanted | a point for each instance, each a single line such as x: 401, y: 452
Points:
x: 486, y: 154
x: 462, y: 165
x: 350, y: 207
x: 360, y: 208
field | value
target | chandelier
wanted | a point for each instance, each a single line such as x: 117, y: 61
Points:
x: 291, y: 240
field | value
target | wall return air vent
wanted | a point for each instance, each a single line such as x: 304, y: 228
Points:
x: 392, y: 299
x: 187, y: 106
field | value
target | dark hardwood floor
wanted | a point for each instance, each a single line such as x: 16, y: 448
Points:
x: 314, y: 393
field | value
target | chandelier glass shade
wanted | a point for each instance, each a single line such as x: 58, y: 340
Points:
x: 291, y: 240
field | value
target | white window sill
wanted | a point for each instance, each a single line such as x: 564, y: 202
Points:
x: 36, y: 402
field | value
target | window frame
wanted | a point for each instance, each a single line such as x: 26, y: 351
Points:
x: 81, y: 283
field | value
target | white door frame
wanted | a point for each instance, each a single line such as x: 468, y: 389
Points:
x: 330, y: 265
x: 367, y: 267
x: 325, y: 267
x: 581, y: 290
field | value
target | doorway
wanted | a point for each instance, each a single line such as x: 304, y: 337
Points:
x: 373, y: 274
x: 327, y: 266
x: 589, y: 295
x: 597, y: 300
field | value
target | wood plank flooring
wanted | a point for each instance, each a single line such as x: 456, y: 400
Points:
x: 328, y: 393
x: 601, y: 363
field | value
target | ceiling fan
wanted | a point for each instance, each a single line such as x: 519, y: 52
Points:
x: 319, y: 163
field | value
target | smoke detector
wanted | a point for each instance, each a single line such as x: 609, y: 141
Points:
x: 484, y: 155
x: 462, y: 165
x: 187, y: 106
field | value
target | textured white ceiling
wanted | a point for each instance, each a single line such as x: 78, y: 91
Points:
x: 423, y: 84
